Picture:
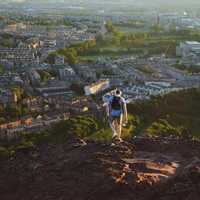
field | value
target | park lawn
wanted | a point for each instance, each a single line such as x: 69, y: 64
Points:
x: 129, y: 29
x: 89, y: 58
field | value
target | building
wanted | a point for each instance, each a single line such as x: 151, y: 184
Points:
x: 49, y: 43
x: 54, y: 91
x: 158, y: 83
x: 67, y: 73
x: 188, y: 48
x: 59, y: 60
x: 97, y: 87
x: 18, y: 55
x: 7, y: 97
x: 86, y: 73
x: 34, y: 77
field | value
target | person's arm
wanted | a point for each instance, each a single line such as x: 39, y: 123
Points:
x: 108, y: 107
x: 125, y: 113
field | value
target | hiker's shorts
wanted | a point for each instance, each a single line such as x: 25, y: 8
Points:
x: 115, y: 114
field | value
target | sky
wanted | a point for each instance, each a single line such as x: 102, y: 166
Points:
x: 114, y: 1
x: 142, y: 3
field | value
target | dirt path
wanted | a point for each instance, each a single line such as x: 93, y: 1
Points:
x: 140, y: 169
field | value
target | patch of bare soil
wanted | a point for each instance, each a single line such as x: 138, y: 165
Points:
x: 138, y: 169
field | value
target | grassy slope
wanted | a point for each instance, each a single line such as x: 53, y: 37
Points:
x: 177, y: 113
x: 179, y: 109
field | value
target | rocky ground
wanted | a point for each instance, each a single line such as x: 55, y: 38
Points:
x: 138, y: 169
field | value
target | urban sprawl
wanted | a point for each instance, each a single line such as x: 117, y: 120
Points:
x: 51, y: 67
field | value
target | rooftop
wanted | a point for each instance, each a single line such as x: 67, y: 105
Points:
x: 192, y: 42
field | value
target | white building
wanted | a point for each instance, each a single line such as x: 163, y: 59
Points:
x: 97, y: 87
x: 158, y: 83
x: 48, y: 43
x: 188, y: 48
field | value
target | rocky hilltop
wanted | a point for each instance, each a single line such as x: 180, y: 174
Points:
x: 137, y: 169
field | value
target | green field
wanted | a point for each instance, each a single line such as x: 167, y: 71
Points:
x: 129, y: 29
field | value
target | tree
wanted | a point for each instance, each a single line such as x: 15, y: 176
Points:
x: 2, y: 70
x: 110, y: 28
x: 2, y: 120
x: 13, y: 112
x: 18, y: 91
x: 77, y: 88
x: 51, y: 57
x: 45, y: 75
x: 99, y: 38
x: 71, y: 58
x: 157, y: 29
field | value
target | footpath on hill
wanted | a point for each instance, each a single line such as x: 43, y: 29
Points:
x: 139, y: 169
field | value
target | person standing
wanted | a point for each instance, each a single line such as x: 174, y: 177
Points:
x: 117, y: 113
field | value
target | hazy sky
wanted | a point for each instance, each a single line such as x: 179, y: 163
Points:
x: 114, y: 1
x: 142, y: 3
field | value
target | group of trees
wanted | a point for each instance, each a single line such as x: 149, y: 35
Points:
x: 46, y: 75
x: 156, y: 41
x: 192, y: 69
x: 16, y: 110
x: 186, y: 34
x: 77, y: 88
x: 6, y: 40
x: 140, y: 42
x: 71, y: 54
x: 12, y: 112
x: 2, y: 69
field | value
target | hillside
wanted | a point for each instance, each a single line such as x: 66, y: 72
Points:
x: 139, y: 169
x: 52, y: 165
x: 177, y: 113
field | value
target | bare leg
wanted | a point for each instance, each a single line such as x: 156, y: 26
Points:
x: 120, y: 121
x: 113, y: 127
x: 116, y: 125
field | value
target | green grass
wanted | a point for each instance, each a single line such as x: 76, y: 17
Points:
x: 104, y: 134
x: 178, y: 110
x: 129, y: 29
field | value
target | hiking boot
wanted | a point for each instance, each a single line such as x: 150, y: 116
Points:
x: 119, y: 139
x: 114, y: 136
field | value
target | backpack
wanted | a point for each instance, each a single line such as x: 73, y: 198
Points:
x: 116, y: 103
